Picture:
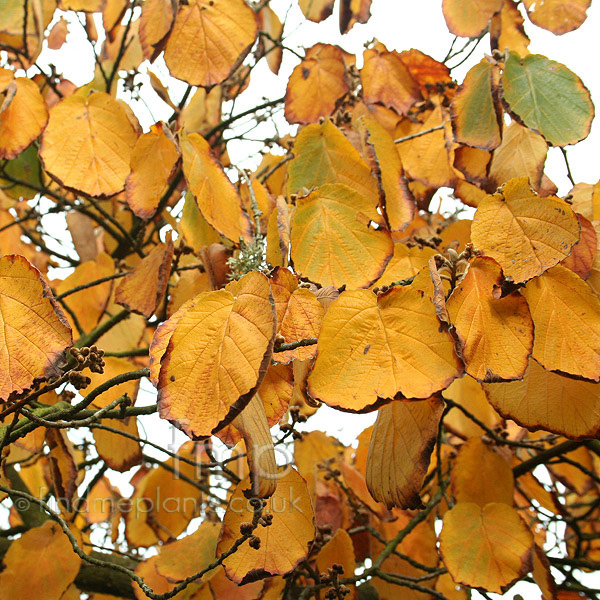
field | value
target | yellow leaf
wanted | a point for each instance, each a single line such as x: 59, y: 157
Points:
x: 87, y: 144
x: 163, y: 503
x: 398, y: 202
x: 283, y: 544
x: 153, y: 160
x: 378, y: 347
x: 406, y: 262
x: 299, y: 314
x: 188, y: 555
x: 23, y: 119
x: 89, y: 304
x: 426, y: 157
x: 270, y: 23
x: 481, y: 474
x: 229, y: 335
x: 209, y: 40
x: 566, y: 315
x: 338, y: 550
x: 468, y: 18
x: 401, y: 446
x: 386, y: 80
x: 524, y: 233
x: 63, y: 468
x: 34, y: 330
x: 156, y: 21
x: 521, y: 153
x: 506, y: 30
x: 323, y: 155
x: 470, y: 395
x: 549, y: 401
x: 486, y: 547
x: 495, y: 334
x: 316, y: 10
x: 143, y: 289
x: 316, y: 84
x: 252, y: 423
x: 39, y: 564
x: 278, y: 234
x: 332, y: 240
x: 557, y: 16
x: 217, y: 199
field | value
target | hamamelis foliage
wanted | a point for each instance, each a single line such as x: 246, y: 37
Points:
x: 248, y: 298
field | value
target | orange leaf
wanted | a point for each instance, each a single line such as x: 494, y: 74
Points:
x: 583, y: 254
x: 524, y: 233
x: 386, y: 80
x: 352, y: 12
x: 323, y: 155
x: 557, y: 16
x: 39, y: 564
x: 209, y: 40
x: 566, y: 315
x: 338, y: 550
x: 58, y: 34
x: 63, y: 468
x: 299, y: 315
x: 153, y: 160
x: 229, y: 333
x: 468, y: 18
x: 398, y: 203
x: 283, y: 544
x: 332, y: 240
x: 143, y: 289
x: 89, y: 304
x: 120, y: 453
x: 191, y: 554
x: 542, y: 574
x: 470, y: 395
x: 269, y: 22
x: 217, y: 199
x: 316, y: 84
x: 34, y: 330
x: 495, y: 334
x: 549, y: 401
x: 377, y: 347
x: 22, y: 118
x: 499, y: 548
x: 400, y: 450
x: 98, y: 134
x: 481, y: 474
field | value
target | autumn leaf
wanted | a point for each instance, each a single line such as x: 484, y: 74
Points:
x: 499, y: 549
x: 35, y: 331
x: 468, y: 18
x: 558, y: 17
x: 235, y: 323
x: 506, y: 227
x: 549, y: 401
x: 316, y: 84
x: 400, y: 449
x: 337, y: 221
x: 282, y: 544
x: 414, y: 357
x: 565, y: 314
x: 209, y: 39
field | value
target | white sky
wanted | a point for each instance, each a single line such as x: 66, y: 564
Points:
x: 400, y: 25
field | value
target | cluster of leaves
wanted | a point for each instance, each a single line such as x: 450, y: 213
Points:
x: 249, y: 299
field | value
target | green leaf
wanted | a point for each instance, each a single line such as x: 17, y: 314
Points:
x: 25, y: 167
x: 547, y: 97
x: 476, y: 115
